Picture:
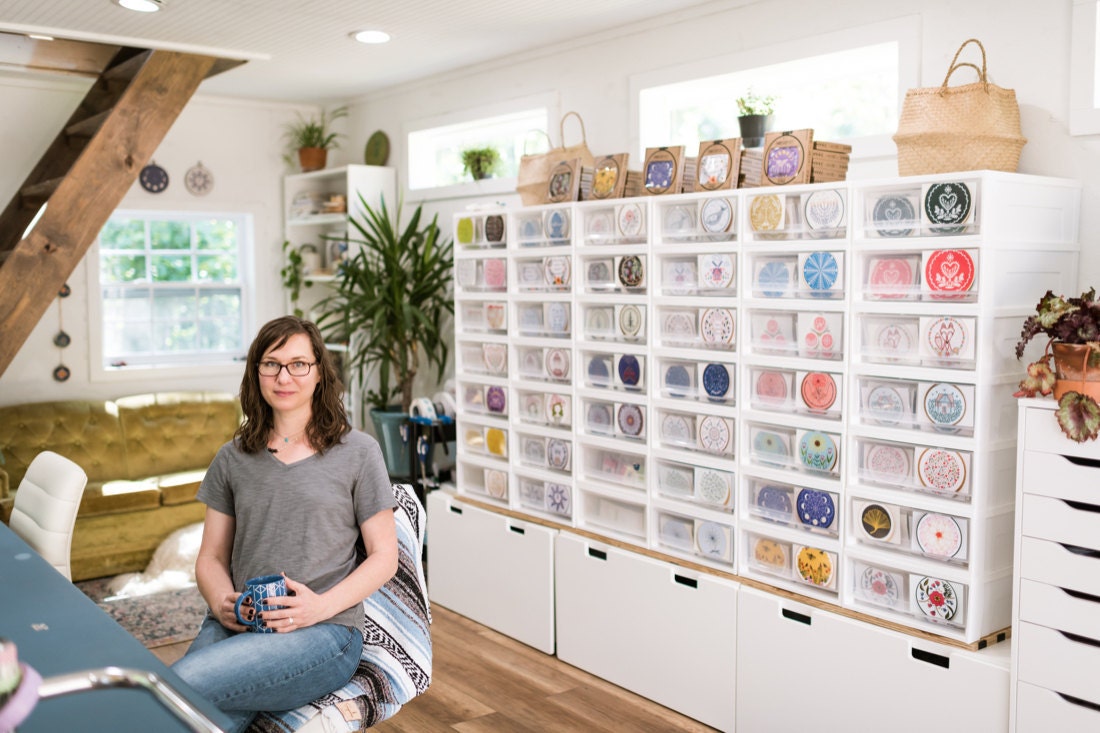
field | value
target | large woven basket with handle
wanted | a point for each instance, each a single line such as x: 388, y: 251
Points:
x: 959, y: 128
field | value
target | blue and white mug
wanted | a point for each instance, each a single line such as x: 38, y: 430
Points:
x: 256, y: 591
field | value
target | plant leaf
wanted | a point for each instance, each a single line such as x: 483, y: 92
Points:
x: 1039, y: 380
x: 1078, y: 416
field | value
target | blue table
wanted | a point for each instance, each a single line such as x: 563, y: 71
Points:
x: 59, y: 630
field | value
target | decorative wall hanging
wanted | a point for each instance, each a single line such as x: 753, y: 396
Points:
x: 153, y: 178
x: 199, y: 180
x: 61, y: 339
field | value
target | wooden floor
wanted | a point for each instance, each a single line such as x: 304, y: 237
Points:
x: 483, y: 681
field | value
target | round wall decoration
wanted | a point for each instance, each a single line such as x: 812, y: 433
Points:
x: 377, y: 150
x: 199, y: 180
x: 153, y: 178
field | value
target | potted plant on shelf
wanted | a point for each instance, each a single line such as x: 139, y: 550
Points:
x: 293, y: 275
x: 755, y: 117
x: 393, y: 296
x: 313, y: 137
x: 479, y: 162
x: 1069, y: 368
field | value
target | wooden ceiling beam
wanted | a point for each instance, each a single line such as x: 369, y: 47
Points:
x: 101, y: 176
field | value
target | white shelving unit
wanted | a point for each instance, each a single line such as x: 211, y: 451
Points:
x: 305, y: 223
x: 1056, y: 601
x: 822, y: 428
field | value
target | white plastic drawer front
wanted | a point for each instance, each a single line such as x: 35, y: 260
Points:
x: 1041, y: 433
x: 1055, y: 608
x: 1050, y: 562
x: 664, y: 632
x: 782, y: 645
x: 493, y: 569
x: 1065, y: 477
x: 1045, y: 711
x: 1050, y: 659
x: 1075, y: 524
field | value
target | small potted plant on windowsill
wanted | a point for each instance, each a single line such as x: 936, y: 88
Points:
x: 479, y: 162
x: 312, y: 138
x: 1069, y: 368
x: 755, y: 117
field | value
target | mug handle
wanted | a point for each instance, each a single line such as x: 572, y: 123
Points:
x: 237, y: 609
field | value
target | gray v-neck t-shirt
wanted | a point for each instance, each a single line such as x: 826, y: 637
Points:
x: 301, y: 518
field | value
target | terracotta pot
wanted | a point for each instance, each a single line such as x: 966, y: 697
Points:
x: 1072, y: 371
x: 312, y: 159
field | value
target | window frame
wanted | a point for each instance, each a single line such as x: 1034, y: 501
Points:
x: 488, y: 186
x: 213, y: 366
x: 905, y: 31
x: 1084, y: 101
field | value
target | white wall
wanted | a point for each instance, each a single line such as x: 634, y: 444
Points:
x: 239, y: 142
x: 1027, y: 44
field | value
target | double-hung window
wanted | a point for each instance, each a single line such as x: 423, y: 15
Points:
x: 171, y: 288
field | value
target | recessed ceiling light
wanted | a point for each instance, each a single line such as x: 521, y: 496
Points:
x: 142, y: 6
x: 371, y: 36
x: 40, y: 36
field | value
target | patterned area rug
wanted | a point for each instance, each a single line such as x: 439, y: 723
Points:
x: 155, y: 620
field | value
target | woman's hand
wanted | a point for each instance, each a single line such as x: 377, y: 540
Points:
x: 225, y: 614
x: 303, y: 608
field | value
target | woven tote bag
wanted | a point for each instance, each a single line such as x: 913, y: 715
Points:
x: 534, y: 170
x: 959, y: 128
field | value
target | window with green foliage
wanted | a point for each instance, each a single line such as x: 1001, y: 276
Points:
x: 171, y: 288
x: 435, y: 152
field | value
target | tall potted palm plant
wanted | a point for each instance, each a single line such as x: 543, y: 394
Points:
x: 392, y: 303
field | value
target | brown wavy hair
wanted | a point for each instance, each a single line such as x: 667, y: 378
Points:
x: 329, y: 422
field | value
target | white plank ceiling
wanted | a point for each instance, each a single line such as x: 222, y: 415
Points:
x: 300, y: 50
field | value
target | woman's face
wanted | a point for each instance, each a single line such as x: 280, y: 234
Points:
x: 283, y: 391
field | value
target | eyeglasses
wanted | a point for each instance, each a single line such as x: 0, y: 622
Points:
x: 294, y: 368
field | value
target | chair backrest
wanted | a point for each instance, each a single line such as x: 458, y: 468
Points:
x: 45, y: 507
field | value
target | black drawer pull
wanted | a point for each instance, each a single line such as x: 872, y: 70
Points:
x: 684, y: 580
x: 1080, y: 639
x: 598, y: 554
x: 937, y: 659
x: 801, y: 618
x: 1082, y: 506
x: 1090, y: 462
x: 455, y: 509
x: 1079, y: 701
x: 517, y: 530
x: 1086, y: 552
x: 1079, y: 594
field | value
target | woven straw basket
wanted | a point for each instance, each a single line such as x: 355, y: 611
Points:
x: 961, y: 128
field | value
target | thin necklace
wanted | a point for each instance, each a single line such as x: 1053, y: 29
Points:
x: 292, y: 438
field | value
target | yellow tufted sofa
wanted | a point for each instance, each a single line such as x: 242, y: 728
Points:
x: 144, y: 455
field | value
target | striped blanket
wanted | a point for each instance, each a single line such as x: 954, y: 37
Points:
x: 396, y: 665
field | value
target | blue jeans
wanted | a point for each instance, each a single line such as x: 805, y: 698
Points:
x: 244, y: 673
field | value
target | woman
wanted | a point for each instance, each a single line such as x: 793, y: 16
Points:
x: 294, y: 493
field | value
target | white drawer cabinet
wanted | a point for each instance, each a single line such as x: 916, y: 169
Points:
x: 1056, y: 607
x: 659, y: 630
x: 801, y: 668
x: 496, y: 570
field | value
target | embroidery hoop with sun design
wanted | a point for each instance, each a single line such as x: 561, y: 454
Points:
x: 199, y: 180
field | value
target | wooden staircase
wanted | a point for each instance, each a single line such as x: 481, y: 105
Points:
x: 83, y: 176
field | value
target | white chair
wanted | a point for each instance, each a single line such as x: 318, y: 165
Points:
x: 45, y: 507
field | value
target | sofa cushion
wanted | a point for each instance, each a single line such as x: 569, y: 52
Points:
x: 112, y: 497
x: 180, y: 488
x: 168, y: 432
x: 86, y: 432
